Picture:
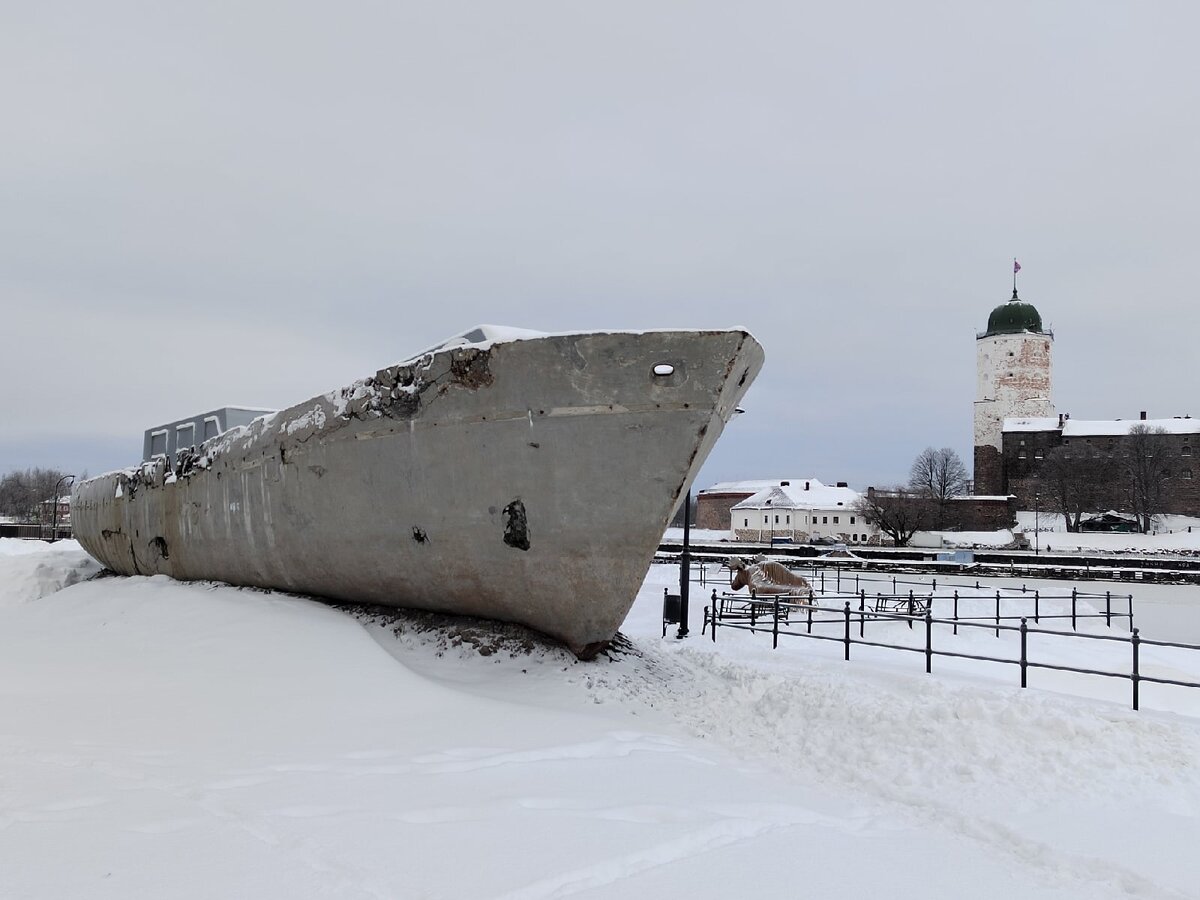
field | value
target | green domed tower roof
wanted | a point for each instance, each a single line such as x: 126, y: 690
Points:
x: 1014, y: 317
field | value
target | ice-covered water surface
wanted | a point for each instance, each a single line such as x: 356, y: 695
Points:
x: 168, y: 740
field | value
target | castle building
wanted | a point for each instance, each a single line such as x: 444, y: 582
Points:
x: 1013, y: 369
x: 1016, y: 426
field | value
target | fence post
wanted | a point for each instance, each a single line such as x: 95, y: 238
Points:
x: 822, y: 581
x: 753, y: 610
x: 714, y: 615
x: 912, y: 611
x: 997, y: 614
x: 862, y: 615
x: 847, y: 610
x: 928, y: 642
x: 956, y: 610
x: 934, y: 585
x: 893, y: 584
x: 775, y: 626
x: 838, y: 570
x: 1131, y: 612
x: 1074, y: 596
x: 1136, y: 642
x: 1037, y: 602
x: 1024, y: 656
x: 1108, y: 608
x: 810, y: 609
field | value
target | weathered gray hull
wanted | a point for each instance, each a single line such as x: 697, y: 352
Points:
x: 527, y: 481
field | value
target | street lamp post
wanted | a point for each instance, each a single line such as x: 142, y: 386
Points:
x: 54, y: 500
x: 685, y: 567
x: 1037, y: 537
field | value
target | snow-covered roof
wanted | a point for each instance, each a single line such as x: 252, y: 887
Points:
x: 1087, y: 428
x: 794, y: 496
x: 1102, y: 427
x: 748, y: 487
x: 1031, y: 424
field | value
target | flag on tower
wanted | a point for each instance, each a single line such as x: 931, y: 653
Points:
x: 1016, y: 266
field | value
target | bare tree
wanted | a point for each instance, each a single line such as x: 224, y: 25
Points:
x: 1144, y: 467
x: 938, y: 475
x: 1074, y: 485
x: 24, y: 494
x: 897, y: 512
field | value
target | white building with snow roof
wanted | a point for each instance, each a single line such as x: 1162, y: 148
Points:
x: 799, y: 510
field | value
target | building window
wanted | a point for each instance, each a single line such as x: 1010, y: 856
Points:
x: 745, y: 523
x: 185, y: 435
x: 824, y: 520
x: 788, y: 520
x: 158, y: 443
x: 1020, y: 454
x: 835, y: 520
x: 852, y: 520
x: 1037, y: 454
x: 1186, y: 473
x: 777, y: 518
x: 212, y: 427
x: 1186, y: 451
x: 1022, y: 442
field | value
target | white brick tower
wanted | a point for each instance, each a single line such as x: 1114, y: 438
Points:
x: 1013, y: 380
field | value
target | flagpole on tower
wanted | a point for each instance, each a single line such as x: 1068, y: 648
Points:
x: 1016, y: 269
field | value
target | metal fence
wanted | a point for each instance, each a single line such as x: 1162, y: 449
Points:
x: 788, y: 617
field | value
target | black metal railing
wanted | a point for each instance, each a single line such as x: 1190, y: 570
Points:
x: 756, y: 613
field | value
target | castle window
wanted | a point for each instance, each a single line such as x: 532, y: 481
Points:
x: 1021, y: 454
x: 1037, y: 454
x: 1010, y: 353
x: 1186, y: 451
x: 824, y: 520
x: 745, y: 523
x: 1186, y: 473
x: 1022, y: 442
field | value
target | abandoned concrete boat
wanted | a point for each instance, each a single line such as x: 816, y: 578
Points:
x: 512, y: 476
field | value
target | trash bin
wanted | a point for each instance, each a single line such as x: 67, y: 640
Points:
x: 672, y: 609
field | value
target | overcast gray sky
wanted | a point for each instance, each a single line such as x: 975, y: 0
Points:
x: 248, y: 202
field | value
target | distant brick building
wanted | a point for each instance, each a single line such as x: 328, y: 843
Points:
x: 1027, y: 442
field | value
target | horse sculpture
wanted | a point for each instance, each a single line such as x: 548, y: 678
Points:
x: 763, y: 577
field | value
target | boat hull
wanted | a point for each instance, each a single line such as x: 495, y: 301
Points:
x: 526, y: 481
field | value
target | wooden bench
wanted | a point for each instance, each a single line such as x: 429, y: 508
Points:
x: 913, y: 605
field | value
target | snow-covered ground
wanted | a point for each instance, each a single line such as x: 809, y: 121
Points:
x: 1172, y: 534
x: 170, y: 740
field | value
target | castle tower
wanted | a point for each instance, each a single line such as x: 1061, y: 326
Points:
x: 1012, y: 380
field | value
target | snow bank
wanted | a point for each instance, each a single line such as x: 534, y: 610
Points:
x: 30, y: 570
x: 170, y: 740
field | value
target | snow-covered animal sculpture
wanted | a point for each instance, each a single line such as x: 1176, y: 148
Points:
x: 763, y: 577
